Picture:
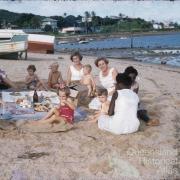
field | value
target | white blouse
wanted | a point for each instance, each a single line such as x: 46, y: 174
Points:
x: 76, y: 75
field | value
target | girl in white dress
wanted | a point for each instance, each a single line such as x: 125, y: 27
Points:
x: 107, y: 78
x: 75, y: 71
x: 122, y: 114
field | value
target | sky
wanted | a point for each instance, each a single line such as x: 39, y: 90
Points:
x: 163, y: 11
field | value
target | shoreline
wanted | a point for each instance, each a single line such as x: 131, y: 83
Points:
x: 115, y: 35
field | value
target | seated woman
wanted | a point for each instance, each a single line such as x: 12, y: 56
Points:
x: 5, y: 82
x: 107, y: 78
x: 75, y: 71
x: 122, y: 112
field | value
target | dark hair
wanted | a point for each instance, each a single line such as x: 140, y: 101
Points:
x: 102, y: 91
x: 66, y: 90
x: 101, y: 59
x: 31, y: 67
x: 124, y: 79
x: 130, y: 70
x: 76, y: 54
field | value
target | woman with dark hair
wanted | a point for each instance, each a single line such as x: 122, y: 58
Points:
x: 142, y: 112
x: 122, y: 112
x: 107, y: 78
x: 75, y: 71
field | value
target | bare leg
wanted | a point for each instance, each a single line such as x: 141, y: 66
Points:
x: 10, y: 83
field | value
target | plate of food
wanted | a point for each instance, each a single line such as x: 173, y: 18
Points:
x: 40, y: 107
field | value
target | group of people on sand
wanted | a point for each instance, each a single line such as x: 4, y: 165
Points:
x: 116, y: 103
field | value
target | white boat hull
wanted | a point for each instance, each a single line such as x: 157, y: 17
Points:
x: 12, y: 47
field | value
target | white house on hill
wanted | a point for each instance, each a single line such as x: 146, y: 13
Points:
x: 49, y: 21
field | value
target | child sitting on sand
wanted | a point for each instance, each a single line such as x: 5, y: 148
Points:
x: 65, y: 111
x: 103, y: 98
x: 141, y: 113
x: 32, y: 80
x: 88, y: 80
x: 55, y: 80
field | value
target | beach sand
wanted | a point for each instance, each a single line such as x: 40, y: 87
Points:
x: 85, y: 152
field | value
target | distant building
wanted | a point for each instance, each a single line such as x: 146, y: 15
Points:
x: 157, y: 26
x: 72, y: 30
x: 114, y: 17
x: 49, y: 21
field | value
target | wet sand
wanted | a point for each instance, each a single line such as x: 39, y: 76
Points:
x: 85, y: 152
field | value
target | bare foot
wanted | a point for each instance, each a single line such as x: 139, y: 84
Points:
x: 153, y: 122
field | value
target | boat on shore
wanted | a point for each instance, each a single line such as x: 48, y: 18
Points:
x: 83, y: 42
x: 13, y: 47
x: 37, y: 43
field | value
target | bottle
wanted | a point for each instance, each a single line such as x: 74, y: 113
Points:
x: 35, y: 97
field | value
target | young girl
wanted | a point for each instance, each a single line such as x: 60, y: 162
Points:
x: 103, y: 98
x: 32, y: 80
x: 65, y: 111
x: 88, y: 80
x: 55, y: 79
x: 122, y: 112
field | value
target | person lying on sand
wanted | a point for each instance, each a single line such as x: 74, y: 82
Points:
x: 5, y: 82
x: 141, y: 113
x: 103, y: 98
x: 32, y: 80
x: 55, y: 80
x: 64, y: 112
x: 88, y: 80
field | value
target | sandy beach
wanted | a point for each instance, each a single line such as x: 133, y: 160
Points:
x: 85, y: 152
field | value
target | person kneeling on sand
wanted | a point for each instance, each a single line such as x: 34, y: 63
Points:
x: 55, y: 80
x: 88, y: 80
x: 64, y: 112
x: 141, y: 113
x: 32, y: 80
x: 122, y: 114
x: 103, y: 98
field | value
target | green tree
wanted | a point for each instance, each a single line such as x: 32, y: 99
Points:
x: 48, y: 28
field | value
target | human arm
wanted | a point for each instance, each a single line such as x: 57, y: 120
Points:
x: 114, y: 73
x: 112, y: 104
x: 49, y: 79
x: 28, y: 79
x: 69, y: 103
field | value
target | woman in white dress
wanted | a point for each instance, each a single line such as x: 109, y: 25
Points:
x: 122, y: 115
x: 75, y: 71
x: 107, y: 78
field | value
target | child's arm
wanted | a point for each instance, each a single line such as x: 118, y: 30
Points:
x: 93, y: 83
x: 70, y: 104
x: 28, y: 79
x: 112, y: 104
x: 49, y: 114
x: 60, y: 79
x: 49, y: 79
